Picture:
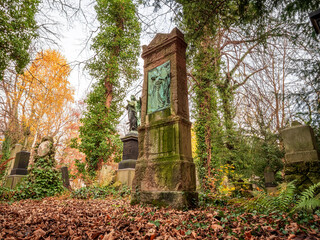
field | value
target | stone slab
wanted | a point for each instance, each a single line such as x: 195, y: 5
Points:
x: 125, y: 176
x: 107, y: 175
x: 128, y: 163
x: 298, y: 138
x: 17, y: 148
x: 302, y: 156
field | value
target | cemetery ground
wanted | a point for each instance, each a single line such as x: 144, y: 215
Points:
x: 113, y: 217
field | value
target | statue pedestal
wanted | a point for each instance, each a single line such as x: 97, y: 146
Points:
x: 130, y: 151
x: 126, y: 167
x: 125, y: 176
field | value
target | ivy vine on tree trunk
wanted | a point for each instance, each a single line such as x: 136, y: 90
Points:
x: 114, y: 67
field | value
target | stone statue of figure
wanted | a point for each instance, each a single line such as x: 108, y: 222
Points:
x: 133, y: 108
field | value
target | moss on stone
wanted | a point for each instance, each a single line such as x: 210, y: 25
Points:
x: 165, y: 175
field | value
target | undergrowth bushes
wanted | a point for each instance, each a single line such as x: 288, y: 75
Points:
x: 100, y: 192
x: 286, y: 200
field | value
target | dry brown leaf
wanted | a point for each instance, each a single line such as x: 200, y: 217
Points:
x: 216, y: 227
x: 39, y: 233
x: 109, y: 236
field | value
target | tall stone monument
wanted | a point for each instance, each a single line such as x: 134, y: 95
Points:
x: 302, y: 159
x: 165, y: 172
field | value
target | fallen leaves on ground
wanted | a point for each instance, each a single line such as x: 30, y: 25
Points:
x: 110, y: 219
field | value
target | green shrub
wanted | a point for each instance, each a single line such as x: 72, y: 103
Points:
x: 43, y: 180
x: 40, y: 183
x: 100, y: 192
x: 6, y: 194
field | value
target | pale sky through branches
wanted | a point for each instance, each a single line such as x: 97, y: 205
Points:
x: 75, y: 39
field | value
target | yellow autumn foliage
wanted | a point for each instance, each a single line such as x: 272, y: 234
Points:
x: 43, y: 93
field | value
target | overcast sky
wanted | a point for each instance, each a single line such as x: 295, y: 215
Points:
x: 75, y: 39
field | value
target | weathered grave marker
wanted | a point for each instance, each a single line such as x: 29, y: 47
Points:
x: 165, y: 172
x: 19, y: 169
x: 65, y: 177
x: 302, y: 159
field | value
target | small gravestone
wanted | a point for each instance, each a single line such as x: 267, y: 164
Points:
x: 269, y: 180
x: 21, y: 163
x: 19, y: 170
x: 301, y: 159
x: 65, y: 177
x: 17, y: 148
x: 165, y: 172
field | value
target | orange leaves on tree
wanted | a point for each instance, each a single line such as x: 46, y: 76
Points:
x: 46, y: 93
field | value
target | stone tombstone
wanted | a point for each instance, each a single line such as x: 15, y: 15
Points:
x: 165, y: 172
x: 269, y: 177
x: 19, y: 170
x: 301, y: 159
x: 270, y: 180
x: 65, y: 177
x: 17, y: 148
x: 21, y: 163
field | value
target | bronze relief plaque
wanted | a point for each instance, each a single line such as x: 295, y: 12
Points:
x: 159, y: 88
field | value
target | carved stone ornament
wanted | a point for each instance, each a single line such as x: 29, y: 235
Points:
x: 44, y: 148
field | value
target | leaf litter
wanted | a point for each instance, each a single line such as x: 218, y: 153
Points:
x: 108, y: 219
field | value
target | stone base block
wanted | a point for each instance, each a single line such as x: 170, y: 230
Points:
x: 304, y: 173
x: 174, y: 199
x: 167, y: 174
x: 302, y: 156
x: 13, y: 180
x: 125, y: 176
x: 19, y: 171
x: 129, y: 163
